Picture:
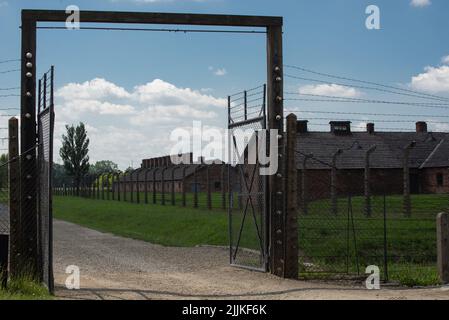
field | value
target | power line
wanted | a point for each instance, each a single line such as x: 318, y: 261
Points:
x: 370, y: 114
x: 10, y: 60
x: 9, y: 71
x: 365, y: 87
x: 377, y: 120
x: 7, y: 89
x: 9, y: 95
x: 158, y: 30
x: 363, y: 81
x: 352, y: 100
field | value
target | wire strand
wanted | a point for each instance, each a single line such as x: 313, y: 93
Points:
x: 363, y: 81
x: 157, y: 30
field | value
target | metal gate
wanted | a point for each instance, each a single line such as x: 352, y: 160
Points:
x: 45, y: 120
x: 248, y: 226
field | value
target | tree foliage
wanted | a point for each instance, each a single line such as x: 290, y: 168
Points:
x: 74, y: 152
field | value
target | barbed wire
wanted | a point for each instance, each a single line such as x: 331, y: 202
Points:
x: 363, y: 81
x: 367, y: 88
x: 369, y: 114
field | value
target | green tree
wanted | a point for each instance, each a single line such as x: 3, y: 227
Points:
x: 103, y: 166
x: 74, y: 153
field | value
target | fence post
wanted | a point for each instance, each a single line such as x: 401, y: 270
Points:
x: 173, y: 202
x: 163, y: 185
x: 443, y: 246
x: 367, y: 180
x: 14, y: 197
x: 184, y: 186
x: 223, y: 190
x: 146, y: 185
x: 407, y: 205
x: 334, y: 200
x: 209, y: 196
x: 154, y: 185
x: 138, y: 186
x: 291, y: 219
x: 195, y: 188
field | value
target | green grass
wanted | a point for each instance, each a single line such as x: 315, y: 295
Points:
x: 326, y: 241
x: 24, y: 289
x: 328, y: 247
x: 165, y: 225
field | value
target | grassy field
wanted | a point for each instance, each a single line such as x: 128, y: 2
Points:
x: 165, y: 225
x: 328, y: 244
x: 24, y: 289
x: 349, y: 241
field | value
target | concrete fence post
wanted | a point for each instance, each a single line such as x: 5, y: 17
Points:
x: 291, y: 219
x: 443, y: 246
x: 367, y: 181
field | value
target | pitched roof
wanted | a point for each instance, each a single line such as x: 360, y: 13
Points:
x: 431, y: 149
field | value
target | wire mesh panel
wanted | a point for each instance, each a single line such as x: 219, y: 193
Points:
x: 45, y: 163
x: 247, y: 205
x: 4, y: 195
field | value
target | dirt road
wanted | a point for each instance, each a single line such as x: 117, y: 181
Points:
x: 119, y: 268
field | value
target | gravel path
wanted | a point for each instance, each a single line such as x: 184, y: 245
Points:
x: 118, y: 268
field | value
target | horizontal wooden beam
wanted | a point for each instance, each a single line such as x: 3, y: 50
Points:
x: 155, y: 18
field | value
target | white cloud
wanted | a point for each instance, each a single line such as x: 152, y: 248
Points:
x: 218, y: 71
x: 420, y: 3
x: 330, y: 90
x: 445, y: 59
x: 432, y: 80
x: 129, y: 125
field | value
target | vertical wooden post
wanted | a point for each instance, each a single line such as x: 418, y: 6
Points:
x: 28, y: 135
x: 15, y: 236
x: 443, y: 246
x: 275, y: 95
x: 291, y: 227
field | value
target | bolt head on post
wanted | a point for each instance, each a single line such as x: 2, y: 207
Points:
x: 29, y: 55
x: 29, y: 74
x: 29, y: 65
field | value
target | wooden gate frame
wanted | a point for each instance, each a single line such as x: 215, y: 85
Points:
x: 276, y: 187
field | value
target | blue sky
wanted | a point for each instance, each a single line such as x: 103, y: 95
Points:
x: 323, y: 35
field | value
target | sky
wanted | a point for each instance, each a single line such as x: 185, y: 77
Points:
x: 132, y: 89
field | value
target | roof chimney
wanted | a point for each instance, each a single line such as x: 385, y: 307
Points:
x: 421, y: 127
x: 370, y: 128
x: 301, y: 126
x: 340, y: 127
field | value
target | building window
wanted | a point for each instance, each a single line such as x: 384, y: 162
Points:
x: 440, y: 179
x: 217, y: 185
